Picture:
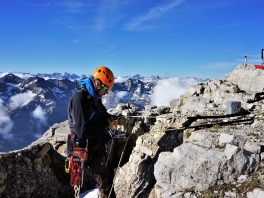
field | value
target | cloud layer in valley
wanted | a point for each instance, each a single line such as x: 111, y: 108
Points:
x: 6, y: 124
x: 167, y: 90
x: 21, y: 99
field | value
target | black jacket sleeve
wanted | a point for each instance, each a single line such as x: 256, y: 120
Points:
x: 78, y: 113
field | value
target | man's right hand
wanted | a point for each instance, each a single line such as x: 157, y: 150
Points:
x: 113, y: 122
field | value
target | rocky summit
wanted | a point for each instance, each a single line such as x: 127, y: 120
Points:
x: 207, y: 143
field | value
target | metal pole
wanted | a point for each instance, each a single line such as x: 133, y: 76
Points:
x: 262, y: 56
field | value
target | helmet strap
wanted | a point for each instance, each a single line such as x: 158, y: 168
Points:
x: 96, y: 81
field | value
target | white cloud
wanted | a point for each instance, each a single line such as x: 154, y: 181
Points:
x: 120, y: 79
x: 39, y: 114
x: 76, y: 41
x: 68, y: 6
x: 21, y: 99
x: 155, y: 12
x: 167, y: 90
x: 19, y: 74
x: 121, y: 94
x: 107, y: 14
x: 2, y: 74
x: 23, y: 75
x: 6, y: 124
x: 251, y: 59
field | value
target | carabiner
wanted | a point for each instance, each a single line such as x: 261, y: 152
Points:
x: 67, y: 165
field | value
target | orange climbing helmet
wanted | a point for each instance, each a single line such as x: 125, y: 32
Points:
x: 105, y: 75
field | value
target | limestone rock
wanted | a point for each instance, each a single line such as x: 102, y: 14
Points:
x: 256, y: 193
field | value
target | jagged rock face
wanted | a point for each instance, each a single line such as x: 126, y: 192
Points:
x: 206, y: 158
x: 139, y: 178
x: 182, y: 169
x: 34, y: 172
x: 247, y: 78
x: 243, y: 84
x: 11, y: 78
x: 205, y: 166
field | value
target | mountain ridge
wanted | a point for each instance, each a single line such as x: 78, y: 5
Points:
x: 43, y: 102
x: 73, y: 76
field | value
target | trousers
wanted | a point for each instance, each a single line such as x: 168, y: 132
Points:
x: 102, y: 173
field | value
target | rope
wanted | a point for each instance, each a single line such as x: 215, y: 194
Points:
x: 76, y: 173
x: 76, y: 177
x: 119, y: 165
x: 109, y: 151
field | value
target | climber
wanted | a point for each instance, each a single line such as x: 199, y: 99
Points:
x: 89, y: 119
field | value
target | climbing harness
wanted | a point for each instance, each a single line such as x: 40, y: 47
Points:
x: 75, y: 162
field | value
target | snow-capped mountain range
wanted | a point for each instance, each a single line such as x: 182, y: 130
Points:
x: 31, y: 103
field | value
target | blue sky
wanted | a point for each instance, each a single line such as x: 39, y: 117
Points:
x: 172, y: 38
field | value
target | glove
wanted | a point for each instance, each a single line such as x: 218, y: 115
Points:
x: 112, y: 122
